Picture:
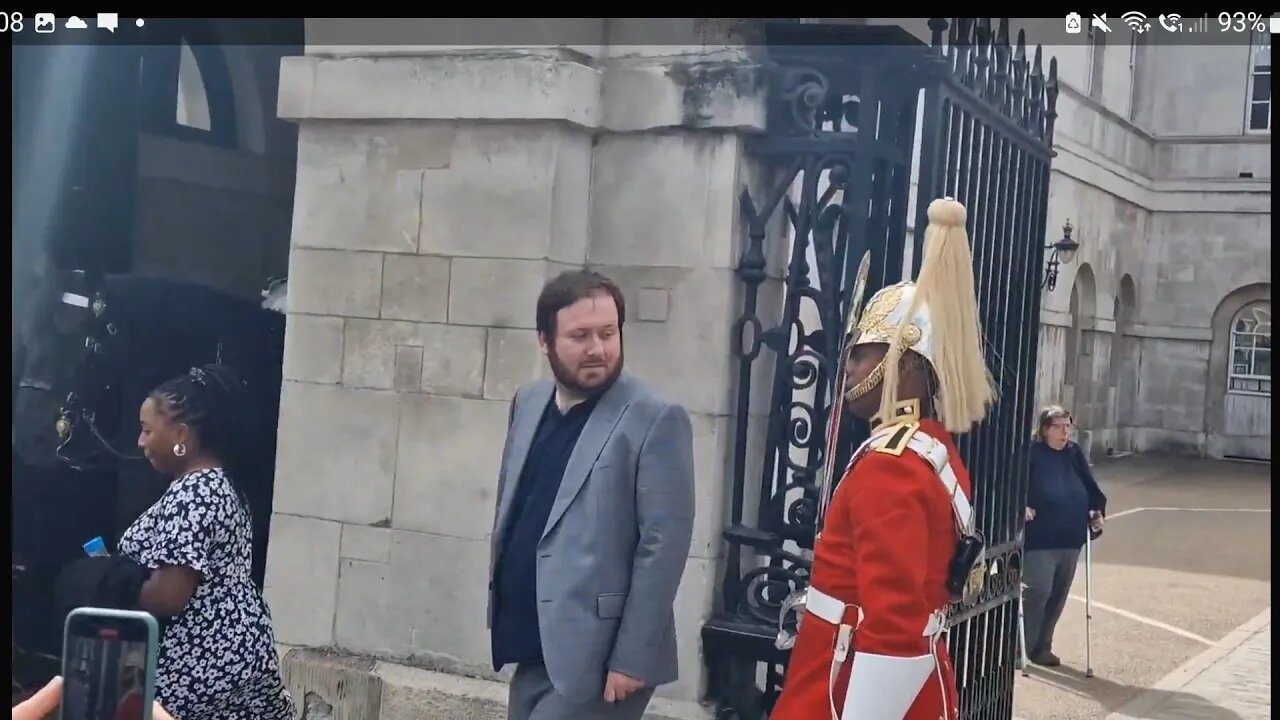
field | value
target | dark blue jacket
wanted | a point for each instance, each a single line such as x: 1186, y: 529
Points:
x: 1062, y: 492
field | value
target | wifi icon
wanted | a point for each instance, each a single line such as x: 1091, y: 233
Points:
x: 1136, y: 21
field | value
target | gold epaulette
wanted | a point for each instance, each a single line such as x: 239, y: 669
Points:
x: 894, y: 442
x: 892, y: 437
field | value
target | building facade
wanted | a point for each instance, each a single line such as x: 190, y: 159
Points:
x: 418, y: 196
x: 1158, y: 334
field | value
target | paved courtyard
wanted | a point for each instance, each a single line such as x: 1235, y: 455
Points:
x: 1181, y: 594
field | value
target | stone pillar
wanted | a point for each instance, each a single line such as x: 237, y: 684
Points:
x: 436, y: 193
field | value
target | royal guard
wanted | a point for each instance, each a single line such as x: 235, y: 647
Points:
x: 896, y: 545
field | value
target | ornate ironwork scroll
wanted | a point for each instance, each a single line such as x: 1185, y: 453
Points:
x: 845, y: 105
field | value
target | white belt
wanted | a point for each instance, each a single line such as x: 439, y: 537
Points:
x: 826, y: 608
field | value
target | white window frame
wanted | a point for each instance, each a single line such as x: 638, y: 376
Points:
x: 1256, y: 42
x: 1097, y: 64
x: 1260, y: 312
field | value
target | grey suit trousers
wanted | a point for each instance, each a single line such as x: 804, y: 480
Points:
x: 532, y: 697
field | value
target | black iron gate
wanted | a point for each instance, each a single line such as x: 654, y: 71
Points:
x: 845, y: 106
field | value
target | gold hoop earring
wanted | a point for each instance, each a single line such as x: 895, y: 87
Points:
x: 179, y: 450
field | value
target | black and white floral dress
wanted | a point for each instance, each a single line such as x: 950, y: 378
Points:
x: 217, y: 657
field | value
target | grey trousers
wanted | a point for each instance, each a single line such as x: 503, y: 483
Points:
x: 533, y: 697
x: 1048, y: 575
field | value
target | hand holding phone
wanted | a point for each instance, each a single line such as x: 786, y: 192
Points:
x: 109, y: 660
x: 41, y: 705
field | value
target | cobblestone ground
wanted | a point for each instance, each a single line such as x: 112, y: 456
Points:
x: 1237, y: 685
x: 1179, y: 586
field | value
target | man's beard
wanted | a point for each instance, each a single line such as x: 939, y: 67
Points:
x: 565, y: 377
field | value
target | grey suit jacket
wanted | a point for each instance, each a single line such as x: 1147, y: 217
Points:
x: 616, y: 542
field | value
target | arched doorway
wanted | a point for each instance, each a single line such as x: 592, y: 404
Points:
x: 1239, y: 411
x: 161, y: 157
x: 1078, y: 391
x: 1125, y: 361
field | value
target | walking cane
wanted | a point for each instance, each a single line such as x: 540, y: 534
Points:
x: 1088, y: 602
x: 1022, y: 632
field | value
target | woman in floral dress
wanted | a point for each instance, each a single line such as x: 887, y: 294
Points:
x: 218, y: 658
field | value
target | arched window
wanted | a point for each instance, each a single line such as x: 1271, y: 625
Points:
x: 1250, y: 352
x: 193, y: 96
x: 186, y: 84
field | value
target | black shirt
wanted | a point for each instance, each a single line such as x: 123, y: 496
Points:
x: 516, y: 637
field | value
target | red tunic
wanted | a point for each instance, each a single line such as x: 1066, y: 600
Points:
x: 888, y: 539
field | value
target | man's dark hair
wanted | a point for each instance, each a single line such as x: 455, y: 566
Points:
x: 568, y: 288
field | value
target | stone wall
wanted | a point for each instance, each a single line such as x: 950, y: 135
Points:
x: 1172, y: 210
x: 436, y: 193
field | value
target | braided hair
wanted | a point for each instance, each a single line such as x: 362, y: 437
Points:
x: 211, y: 401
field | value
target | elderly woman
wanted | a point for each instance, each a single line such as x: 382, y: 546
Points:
x: 1063, y: 503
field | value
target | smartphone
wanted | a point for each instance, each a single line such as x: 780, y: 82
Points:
x: 109, y: 662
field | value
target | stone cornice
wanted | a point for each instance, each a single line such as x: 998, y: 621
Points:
x: 715, y: 91
x: 1055, y: 318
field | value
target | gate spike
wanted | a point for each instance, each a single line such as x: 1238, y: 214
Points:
x: 953, y: 44
x: 936, y: 28
x: 982, y: 58
x: 1051, y: 112
x: 1020, y: 80
x: 1002, y: 79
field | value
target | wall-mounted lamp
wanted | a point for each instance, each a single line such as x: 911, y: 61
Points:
x: 1064, y: 251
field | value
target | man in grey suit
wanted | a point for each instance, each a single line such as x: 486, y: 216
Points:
x: 594, y: 520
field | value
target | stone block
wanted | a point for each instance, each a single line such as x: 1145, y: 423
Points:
x: 352, y: 687
x: 359, y: 187
x: 1172, y: 394
x: 712, y: 465
x: 313, y: 349
x: 665, y: 200
x: 449, y: 453
x: 336, y: 453
x: 513, y: 86
x: 369, y: 606
x: 452, y: 358
x: 302, y: 579
x: 495, y: 293
x: 653, y: 304
x: 415, y: 288
x: 509, y: 192
x: 334, y: 282
x: 693, y: 603
x: 361, y: 542
x: 326, y: 686
x: 513, y: 358
x: 570, y: 199
x: 689, y: 356
x: 408, y: 368
x: 415, y: 694
x: 446, y: 626
x: 667, y: 93
x: 428, y: 603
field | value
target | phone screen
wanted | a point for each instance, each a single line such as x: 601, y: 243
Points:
x: 104, y: 670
